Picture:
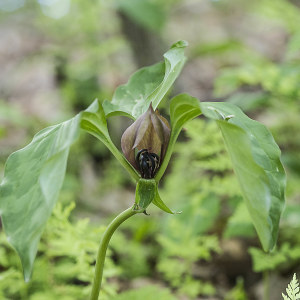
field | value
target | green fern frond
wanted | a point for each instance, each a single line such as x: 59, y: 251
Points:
x: 292, y: 290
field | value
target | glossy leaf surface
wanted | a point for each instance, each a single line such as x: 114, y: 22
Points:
x: 256, y: 161
x: 149, y: 84
x: 32, y: 180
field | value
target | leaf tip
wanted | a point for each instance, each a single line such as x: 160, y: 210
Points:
x: 180, y: 44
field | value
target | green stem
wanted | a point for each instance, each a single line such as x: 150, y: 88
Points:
x: 163, y: 167
x: 266, y: 284
x: 103, y: 247
x: 124, y: 162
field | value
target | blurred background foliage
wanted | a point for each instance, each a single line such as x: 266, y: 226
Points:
x: 56, y: 56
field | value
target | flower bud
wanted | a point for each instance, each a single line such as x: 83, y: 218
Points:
x: 145, y: 142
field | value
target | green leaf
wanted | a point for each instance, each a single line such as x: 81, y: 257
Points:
x: 160, y: 204
x: 34, y: 175
x: 144, y: 12
x: 145, y: 193
x: 262, y: 261
x: 32, y: 180
x: 183, y: 108
x: 94, y: 122
x: 292, y: 290
x: 256, y: 161
x: 149, y: 84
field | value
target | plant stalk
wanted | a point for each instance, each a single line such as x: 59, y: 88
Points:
x: 115, y: 223
x: 266, y: 284
x: 163, y: 167
x: 124, y: 162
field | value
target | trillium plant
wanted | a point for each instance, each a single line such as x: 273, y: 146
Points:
x: 34, y: 175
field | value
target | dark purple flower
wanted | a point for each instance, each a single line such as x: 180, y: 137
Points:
x: 145, y: 142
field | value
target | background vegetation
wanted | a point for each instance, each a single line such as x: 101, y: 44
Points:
x: 57, y: 56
